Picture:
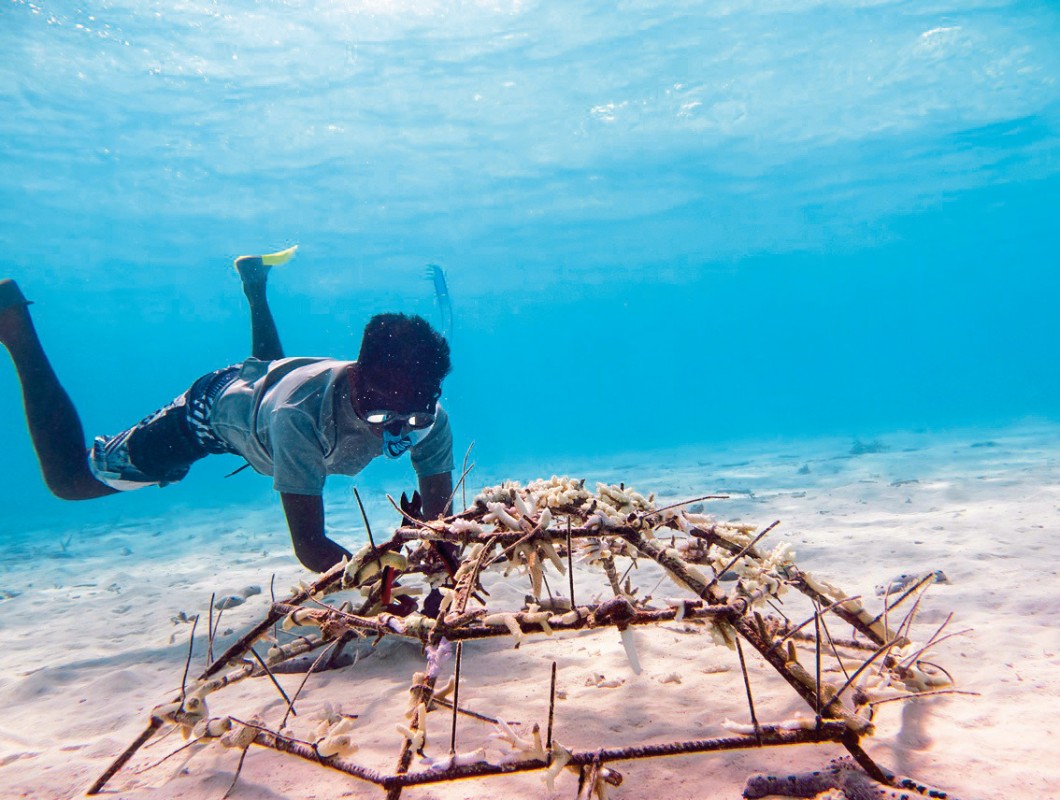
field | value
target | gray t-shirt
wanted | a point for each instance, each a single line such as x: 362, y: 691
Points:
x: 292, y: 419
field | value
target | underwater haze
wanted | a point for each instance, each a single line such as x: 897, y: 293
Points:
x: 663, y: 224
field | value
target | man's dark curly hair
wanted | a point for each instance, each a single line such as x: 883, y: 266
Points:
x: 403, y: 357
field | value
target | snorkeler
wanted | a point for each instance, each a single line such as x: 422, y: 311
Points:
x: 295, y: 419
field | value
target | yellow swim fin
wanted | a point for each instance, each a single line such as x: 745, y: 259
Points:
x: 282, y: 257
x: 253, y: 269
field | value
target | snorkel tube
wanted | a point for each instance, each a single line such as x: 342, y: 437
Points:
x: 395, y: 444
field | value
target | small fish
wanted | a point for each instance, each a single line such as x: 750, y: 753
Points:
x: 907, y: 579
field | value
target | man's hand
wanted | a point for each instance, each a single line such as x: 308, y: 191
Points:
x: 305, y: 519
x: 435, y: 491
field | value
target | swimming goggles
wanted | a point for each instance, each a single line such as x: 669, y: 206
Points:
x: 416, y: 420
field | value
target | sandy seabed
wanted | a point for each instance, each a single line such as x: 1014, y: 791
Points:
x: 93, y: 634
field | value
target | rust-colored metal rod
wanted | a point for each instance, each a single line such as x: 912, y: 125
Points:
x: 276, y: 683
x: 602, y: 615
x: 123, y: 759
x: 837, y: 608
x: 888, y: 607
x: 288, y: 652
x: 735, y: 611
x: 750, y: 698
x: 711, y: 536
x: 368, y: 529
x: 588, y: 618
x: 570, y: 565
x: 646, y: 514
x: 790, y: 632
x: 343, y: 618
x: 422, y: 692
x: 673, y: 564
x: 187, y: 662
x: 504, y: 538
x: 244, y: 642
x: 551, y: 710
x: 849, y: 644
x: 462, y: 591
x: 771, y: 737
x: 531, y: 535
x: 467, y: 712
x: 456, y: 696
x: 464, y: 471
x: 608, y: 564
x: 748, y: 548
x: 301, y: 686
x: 853, y: 746
x: 741, y: 604
x: 236, y: 650
x: 817, y: 653
x: 796, y: 677
x: 275, y: 741
x: 590, y: 774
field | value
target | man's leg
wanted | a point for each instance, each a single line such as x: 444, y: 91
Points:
x: 265, y: 339
x: 53, y: 422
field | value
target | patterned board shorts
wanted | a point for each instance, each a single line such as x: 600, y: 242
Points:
x: 160, y: 448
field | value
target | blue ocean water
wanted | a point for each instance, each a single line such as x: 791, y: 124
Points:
x: 663, y: 224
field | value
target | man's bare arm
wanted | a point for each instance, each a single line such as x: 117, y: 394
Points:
x: 305, y: 519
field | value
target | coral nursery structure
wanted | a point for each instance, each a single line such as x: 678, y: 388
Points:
x: 725, y: 586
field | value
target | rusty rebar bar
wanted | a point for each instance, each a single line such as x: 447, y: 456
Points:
x: 772, y: 736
